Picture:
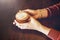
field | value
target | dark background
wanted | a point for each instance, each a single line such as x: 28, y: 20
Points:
x: 8, y: 9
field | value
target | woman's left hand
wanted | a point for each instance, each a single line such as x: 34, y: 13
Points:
x: 32, y: 24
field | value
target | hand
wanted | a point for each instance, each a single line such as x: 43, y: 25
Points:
x: 32, y: 24
x: 39, y: 13
x: 33, y: 13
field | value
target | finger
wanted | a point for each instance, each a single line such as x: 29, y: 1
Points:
x: 32, y: 12
x: 14, y: 22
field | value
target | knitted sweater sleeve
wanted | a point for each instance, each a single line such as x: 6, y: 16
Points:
x: 54, y: 10
x: 54, y: 35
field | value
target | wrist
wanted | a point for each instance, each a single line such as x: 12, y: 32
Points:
x: 45, y: 30
x: 42, y: 13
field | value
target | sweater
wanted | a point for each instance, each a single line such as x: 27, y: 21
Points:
x: 54, y: 34
x: 54, y: 11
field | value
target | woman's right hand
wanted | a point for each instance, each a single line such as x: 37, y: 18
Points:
x: 33, y: 13
x: 39, y: 13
